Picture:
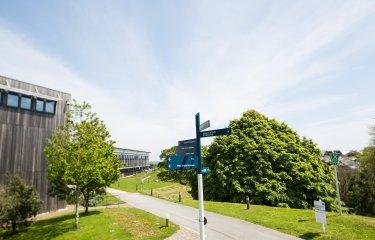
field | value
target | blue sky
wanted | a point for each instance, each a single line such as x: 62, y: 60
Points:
x: 147, y: 67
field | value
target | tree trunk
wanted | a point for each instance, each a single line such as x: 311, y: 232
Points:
x: 76, y: 209
x: 13, y: 226
x: 86, y: 199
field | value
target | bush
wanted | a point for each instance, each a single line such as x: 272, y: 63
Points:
x: 18, y: 203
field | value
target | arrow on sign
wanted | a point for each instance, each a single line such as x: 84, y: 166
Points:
x: 182, y: 162
x: 205, y: 170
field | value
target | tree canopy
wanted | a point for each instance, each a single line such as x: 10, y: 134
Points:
x: 270, y: 163
x: 80, y: 158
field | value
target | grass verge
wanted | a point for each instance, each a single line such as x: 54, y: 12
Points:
x: 297, y: 222
x: 108, y: 199
x: 118, y: 223
x: 134, y: 183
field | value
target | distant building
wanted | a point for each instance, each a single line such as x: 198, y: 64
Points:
x: 133, y: 160
x: 29, y: 114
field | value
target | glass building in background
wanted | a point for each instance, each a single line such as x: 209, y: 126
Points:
x: 133, y: 160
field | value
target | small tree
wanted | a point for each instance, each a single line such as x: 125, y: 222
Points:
x: 18, y: 202
x: 80, y: 159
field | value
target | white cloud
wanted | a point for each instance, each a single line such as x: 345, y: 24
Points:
x: 21, y: 60
x: 336, y: 134
x: 234, y: 58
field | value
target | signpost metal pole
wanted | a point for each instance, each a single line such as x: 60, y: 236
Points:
x: 337, y: 188
x: 335, y: 161
x: 200, y: 179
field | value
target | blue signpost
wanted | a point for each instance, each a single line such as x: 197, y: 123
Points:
x: 201, y: 170
x: 190, y: 156
x: 182, y: 162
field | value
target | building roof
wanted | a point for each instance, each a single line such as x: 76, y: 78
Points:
x: 130, y: 150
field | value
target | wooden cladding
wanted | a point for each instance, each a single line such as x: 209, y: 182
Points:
x: 23, y: 136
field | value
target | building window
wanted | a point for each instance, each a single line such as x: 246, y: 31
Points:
x: 50, y: 107
x: 25, y: 102
x: 39, y: 105
x: 1, y: 97
x: 12, y: 100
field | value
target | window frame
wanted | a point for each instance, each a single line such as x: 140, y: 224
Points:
x: 26, y: 97
x: 45, y: 106
x: 12, y: 94
x: 36, y: 105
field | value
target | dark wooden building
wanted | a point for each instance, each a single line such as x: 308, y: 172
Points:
x: 29, y: 114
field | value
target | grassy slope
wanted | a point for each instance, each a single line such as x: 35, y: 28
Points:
x: 122, y: 223
x: 297, y: 222
x: 129, y: 184
x: 109, y: 199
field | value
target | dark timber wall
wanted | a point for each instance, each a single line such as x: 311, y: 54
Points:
x: 23, y: 135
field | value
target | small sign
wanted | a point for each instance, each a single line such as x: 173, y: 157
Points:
x: 204, y: 125
x: 205, y: 170
x: 335, y: 157
x: 187, y: 142
x: 217, y: 132
x: 182, y: 162
x: 186, y: 150
x: 320, y: 212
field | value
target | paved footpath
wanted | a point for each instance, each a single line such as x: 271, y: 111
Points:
x: 219, y: 227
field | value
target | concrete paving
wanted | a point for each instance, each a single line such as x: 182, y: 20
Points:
x: 219, y: 227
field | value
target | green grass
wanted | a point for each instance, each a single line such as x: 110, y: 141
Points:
x: 130, y: 184
x: 118, y: 223
x: 297, y: 222
x: 109, y: 199
x: 171, y: 191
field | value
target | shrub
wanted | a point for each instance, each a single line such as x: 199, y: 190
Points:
x: 18, y: 203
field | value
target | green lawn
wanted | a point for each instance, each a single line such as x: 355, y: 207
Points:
x: 108, y: 199
x: 297, y: 222
x: 118, y: 223
x: 134, y: 184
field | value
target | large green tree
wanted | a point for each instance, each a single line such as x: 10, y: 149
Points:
x: 80, y: 159
x: 267, y: 161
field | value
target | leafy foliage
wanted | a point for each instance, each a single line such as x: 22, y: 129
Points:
x: 362, y: 196
x: 346, y: 177
x: 363, y: 193
x: 18, y: 202
x: 270, y: 163
x: 80, y: 159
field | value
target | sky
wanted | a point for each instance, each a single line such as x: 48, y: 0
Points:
x: 147, y: 67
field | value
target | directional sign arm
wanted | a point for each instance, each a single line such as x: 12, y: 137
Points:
x: 204, y: 125
x: 217, y: 132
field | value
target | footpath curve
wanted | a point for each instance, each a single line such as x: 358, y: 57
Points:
x: 219, y: 227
